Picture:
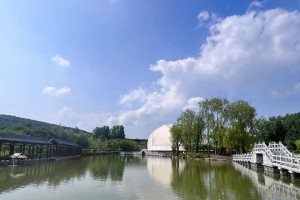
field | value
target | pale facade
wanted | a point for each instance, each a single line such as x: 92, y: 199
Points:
x: 159, y: 140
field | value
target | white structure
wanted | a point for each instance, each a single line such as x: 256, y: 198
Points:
x: 159, y: 140
x: 274, y: 155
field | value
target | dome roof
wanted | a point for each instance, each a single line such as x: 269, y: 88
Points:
x: 159, y: 140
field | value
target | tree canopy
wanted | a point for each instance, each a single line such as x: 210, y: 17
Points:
x: 232, y: 127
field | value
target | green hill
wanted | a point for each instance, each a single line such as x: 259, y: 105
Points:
x: 22, y: 126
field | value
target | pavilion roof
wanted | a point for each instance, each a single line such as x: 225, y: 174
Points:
x: 63, y: 142
x: 9, y: 137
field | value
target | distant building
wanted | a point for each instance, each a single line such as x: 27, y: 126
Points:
x: 159, y: 140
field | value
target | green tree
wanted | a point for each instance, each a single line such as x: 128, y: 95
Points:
x: 241, y: 115
x: 230, y: 140
x: 208, y: 118
x: 187, y: 121
x: 83, y: 141
x: 176, y: 136
x: 218, y: 107
x: 121, y: 132
x: 198, y: 128
x: 292, y: 126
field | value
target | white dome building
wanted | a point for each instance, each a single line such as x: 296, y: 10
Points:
x: 159, y: 140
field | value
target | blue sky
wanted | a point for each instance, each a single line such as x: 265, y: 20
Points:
x: 141, y: 63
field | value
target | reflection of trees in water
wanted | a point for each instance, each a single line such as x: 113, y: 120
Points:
x: 107, y: 167
x: 52, y: 172
x: 64, y: 171
x: 211, y: 180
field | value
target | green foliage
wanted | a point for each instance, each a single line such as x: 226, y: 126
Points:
x: 176, y: 136
x: 197, y: 135
x: 121, y: 145
x: 17, y: 125
x: 103, y: 138
x: 291, y: 124
x: 104, y: 132
x: 83, y: 141
x: 128, y: 145
x: 297, y: 143
x: 227, y: 126
x: 187, y: 119
x: 279, y: 128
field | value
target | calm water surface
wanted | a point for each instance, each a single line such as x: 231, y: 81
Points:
x: 113, y: 177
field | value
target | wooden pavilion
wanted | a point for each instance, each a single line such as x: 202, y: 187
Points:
x: 35, y: 147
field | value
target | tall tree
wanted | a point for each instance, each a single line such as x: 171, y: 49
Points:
x: 198, y: 128
x: 242, y: 115
x: 187, y: 120
x: 121, y: 132
x: 208, y: 118
x: 176, y: 136
x: 218, y: 107
x: 292, y: 127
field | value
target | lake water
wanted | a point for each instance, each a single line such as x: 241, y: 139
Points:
x: 114, y: 177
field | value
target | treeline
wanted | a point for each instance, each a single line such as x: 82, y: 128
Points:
x: 114, y: 145
x: 226, y: 127
x: 22, y: 126
x: 280, y: 128
x: 112, y: 139
x: 104, y: 132
x: 102, y: 138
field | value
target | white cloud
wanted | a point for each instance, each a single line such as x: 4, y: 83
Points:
x: 135, y: 95
x: 256, y: 4
x: 203, y: 16
x: 86, y: 121
x: 61, y: 61
x: 244, y: 54
x: 248, y: 52
x: 56, y: 91
x: 193, y: 103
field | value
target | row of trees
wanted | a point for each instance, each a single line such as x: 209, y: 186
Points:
x: 279, y: 128
x: 104, y: 132
x: 228, y: 127
x: 225, y: 126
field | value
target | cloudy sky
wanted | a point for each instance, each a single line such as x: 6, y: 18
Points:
x: 141, y: 63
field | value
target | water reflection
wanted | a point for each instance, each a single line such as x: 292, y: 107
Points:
x: 162, y: 169
x: 211, y: 180
x: 272, y: 186
x: 55, y: 173
x: 107, y: 167
x: 114, y: 177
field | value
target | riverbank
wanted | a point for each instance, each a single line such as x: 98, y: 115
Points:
x: 211, y: 158
x: 5, y: 163
x: 191, y: 156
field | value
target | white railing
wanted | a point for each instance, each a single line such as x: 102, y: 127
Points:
x: 276, y: 155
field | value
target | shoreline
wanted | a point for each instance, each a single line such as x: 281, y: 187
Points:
x: 11, y: 163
